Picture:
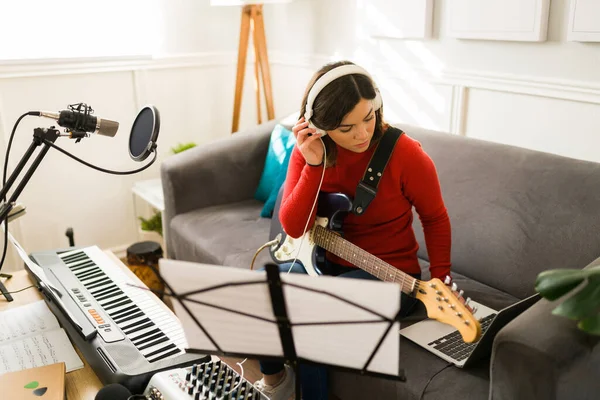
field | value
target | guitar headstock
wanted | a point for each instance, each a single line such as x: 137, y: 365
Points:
x: 443, y: 306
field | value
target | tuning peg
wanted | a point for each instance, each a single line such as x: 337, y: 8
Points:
x: 454, y: 287
x: 474, y: 310
x: 461, y: 293
x: 447, y: 280
x: 467, y: 301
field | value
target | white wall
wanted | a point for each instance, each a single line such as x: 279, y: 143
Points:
x: 543, y: 95
x: 540, y: 95
x: 192, y: 84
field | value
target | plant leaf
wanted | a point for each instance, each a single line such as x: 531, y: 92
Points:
x: 584, y: 303
x: 555, y: 283
x: 590, y: 325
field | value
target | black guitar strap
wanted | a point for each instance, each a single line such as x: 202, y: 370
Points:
x: 367, y: 187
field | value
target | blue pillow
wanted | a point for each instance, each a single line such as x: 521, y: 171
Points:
x: 267, y: 211
x: 281, y: 145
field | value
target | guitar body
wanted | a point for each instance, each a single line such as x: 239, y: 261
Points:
x: 325, y: 235
x: 331, y: 210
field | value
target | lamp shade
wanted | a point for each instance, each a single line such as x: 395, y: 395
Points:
x: 245, y: 2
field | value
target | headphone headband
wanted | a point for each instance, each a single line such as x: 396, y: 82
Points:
x: 332, y: 75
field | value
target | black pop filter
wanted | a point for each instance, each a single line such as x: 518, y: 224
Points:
x: 144, y: 133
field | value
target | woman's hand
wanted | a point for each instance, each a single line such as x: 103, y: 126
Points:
x: 308, y: 142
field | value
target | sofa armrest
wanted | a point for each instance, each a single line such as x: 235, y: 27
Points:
x: 536, y: 354
x: 223, y: 171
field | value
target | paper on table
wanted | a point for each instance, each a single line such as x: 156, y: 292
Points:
x: 30, y: 336
x: 35, y: 351
x: 36, y: 269
x: 19, y: 322
x: 41, y: 275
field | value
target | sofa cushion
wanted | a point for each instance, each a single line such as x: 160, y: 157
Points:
x: 227, y: 234
x: 280, y: 148
x: 514, y: 212
x: 420, y: 365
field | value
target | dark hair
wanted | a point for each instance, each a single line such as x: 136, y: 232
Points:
x: 336, y: 100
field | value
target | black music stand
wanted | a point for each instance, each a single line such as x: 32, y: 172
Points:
x: 291, y: 325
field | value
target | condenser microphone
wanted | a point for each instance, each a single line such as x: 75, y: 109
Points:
x: 78, y: 120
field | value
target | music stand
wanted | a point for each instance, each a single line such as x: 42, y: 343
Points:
x: 347, y: 324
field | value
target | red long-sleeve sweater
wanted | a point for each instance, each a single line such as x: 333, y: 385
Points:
x: 385, y: 228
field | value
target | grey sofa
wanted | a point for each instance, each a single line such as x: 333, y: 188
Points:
x: 514, y: 213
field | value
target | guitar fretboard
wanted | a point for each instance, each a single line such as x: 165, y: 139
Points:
x: 344, y: 249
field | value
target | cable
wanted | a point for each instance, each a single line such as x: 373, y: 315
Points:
x: 430, y: 379
x: 313, y: 206
x: 6, y: 156
x: 20, y: 290
x: 241, y: 376
x: 271, y: 243
x: 49, y: 143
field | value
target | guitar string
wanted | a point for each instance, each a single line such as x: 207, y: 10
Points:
x: 344, y: 248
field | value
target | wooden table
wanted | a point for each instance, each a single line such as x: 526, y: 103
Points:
x: 81, y: 384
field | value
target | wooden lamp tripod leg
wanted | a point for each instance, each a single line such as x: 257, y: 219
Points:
x: 261, y: 43
x: 252, y: 19
x: 241, y: 66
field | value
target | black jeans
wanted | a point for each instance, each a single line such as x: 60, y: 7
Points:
x: 313, y: 379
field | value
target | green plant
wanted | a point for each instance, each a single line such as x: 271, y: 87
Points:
x: 182, y: 147
x: 152, y: 224
x: 584, y: 304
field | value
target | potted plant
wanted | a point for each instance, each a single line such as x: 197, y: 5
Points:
x: 584, y: 303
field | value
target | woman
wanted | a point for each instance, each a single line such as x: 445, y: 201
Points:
x: 346, y: 124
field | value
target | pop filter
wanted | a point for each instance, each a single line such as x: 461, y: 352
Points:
x: 144, y: 133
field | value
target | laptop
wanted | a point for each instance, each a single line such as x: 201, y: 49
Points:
x: 446, y: 342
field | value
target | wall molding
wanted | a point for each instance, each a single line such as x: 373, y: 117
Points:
x: 571, y: 90
x: 582, y: 91
x: 36, y: 68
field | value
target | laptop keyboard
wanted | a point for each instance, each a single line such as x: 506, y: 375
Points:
x: 454, y: 346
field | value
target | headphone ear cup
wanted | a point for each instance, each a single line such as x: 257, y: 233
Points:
x: 321, y: 131
x: 377, y: 101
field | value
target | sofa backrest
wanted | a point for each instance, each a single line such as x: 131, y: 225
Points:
x: 514, y: 212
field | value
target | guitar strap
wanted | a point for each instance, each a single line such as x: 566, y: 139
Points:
x: 367, y: 187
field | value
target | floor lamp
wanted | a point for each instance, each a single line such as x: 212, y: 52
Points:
x: 252, y: 23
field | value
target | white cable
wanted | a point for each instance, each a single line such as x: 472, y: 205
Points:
x: 241, y: 376
x: 313, y: 206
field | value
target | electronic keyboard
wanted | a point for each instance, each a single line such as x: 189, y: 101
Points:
x: 123, y: 330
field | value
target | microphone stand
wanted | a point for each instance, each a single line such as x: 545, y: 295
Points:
x: 40, y: 135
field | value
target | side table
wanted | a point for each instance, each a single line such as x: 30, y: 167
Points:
x: 150, y: 191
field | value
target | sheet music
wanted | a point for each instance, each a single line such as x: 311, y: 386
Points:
x: 39, y: 350
x: 36, y: 269
x: 26, y: 320
x: 360, y: 324
x: 30, y: 336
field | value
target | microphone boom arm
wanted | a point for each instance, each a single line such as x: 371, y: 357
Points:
x: 40, y: 136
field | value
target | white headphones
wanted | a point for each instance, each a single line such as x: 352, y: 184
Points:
x: 329, y: 77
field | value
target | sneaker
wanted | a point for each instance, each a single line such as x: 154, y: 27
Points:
x: 284, y: 390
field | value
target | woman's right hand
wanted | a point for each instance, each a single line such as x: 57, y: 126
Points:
x: 310, y: 146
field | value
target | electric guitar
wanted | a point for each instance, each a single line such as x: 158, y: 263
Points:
x: 309, y: 249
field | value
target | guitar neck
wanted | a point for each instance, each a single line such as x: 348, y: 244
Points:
x: 344, y: 249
